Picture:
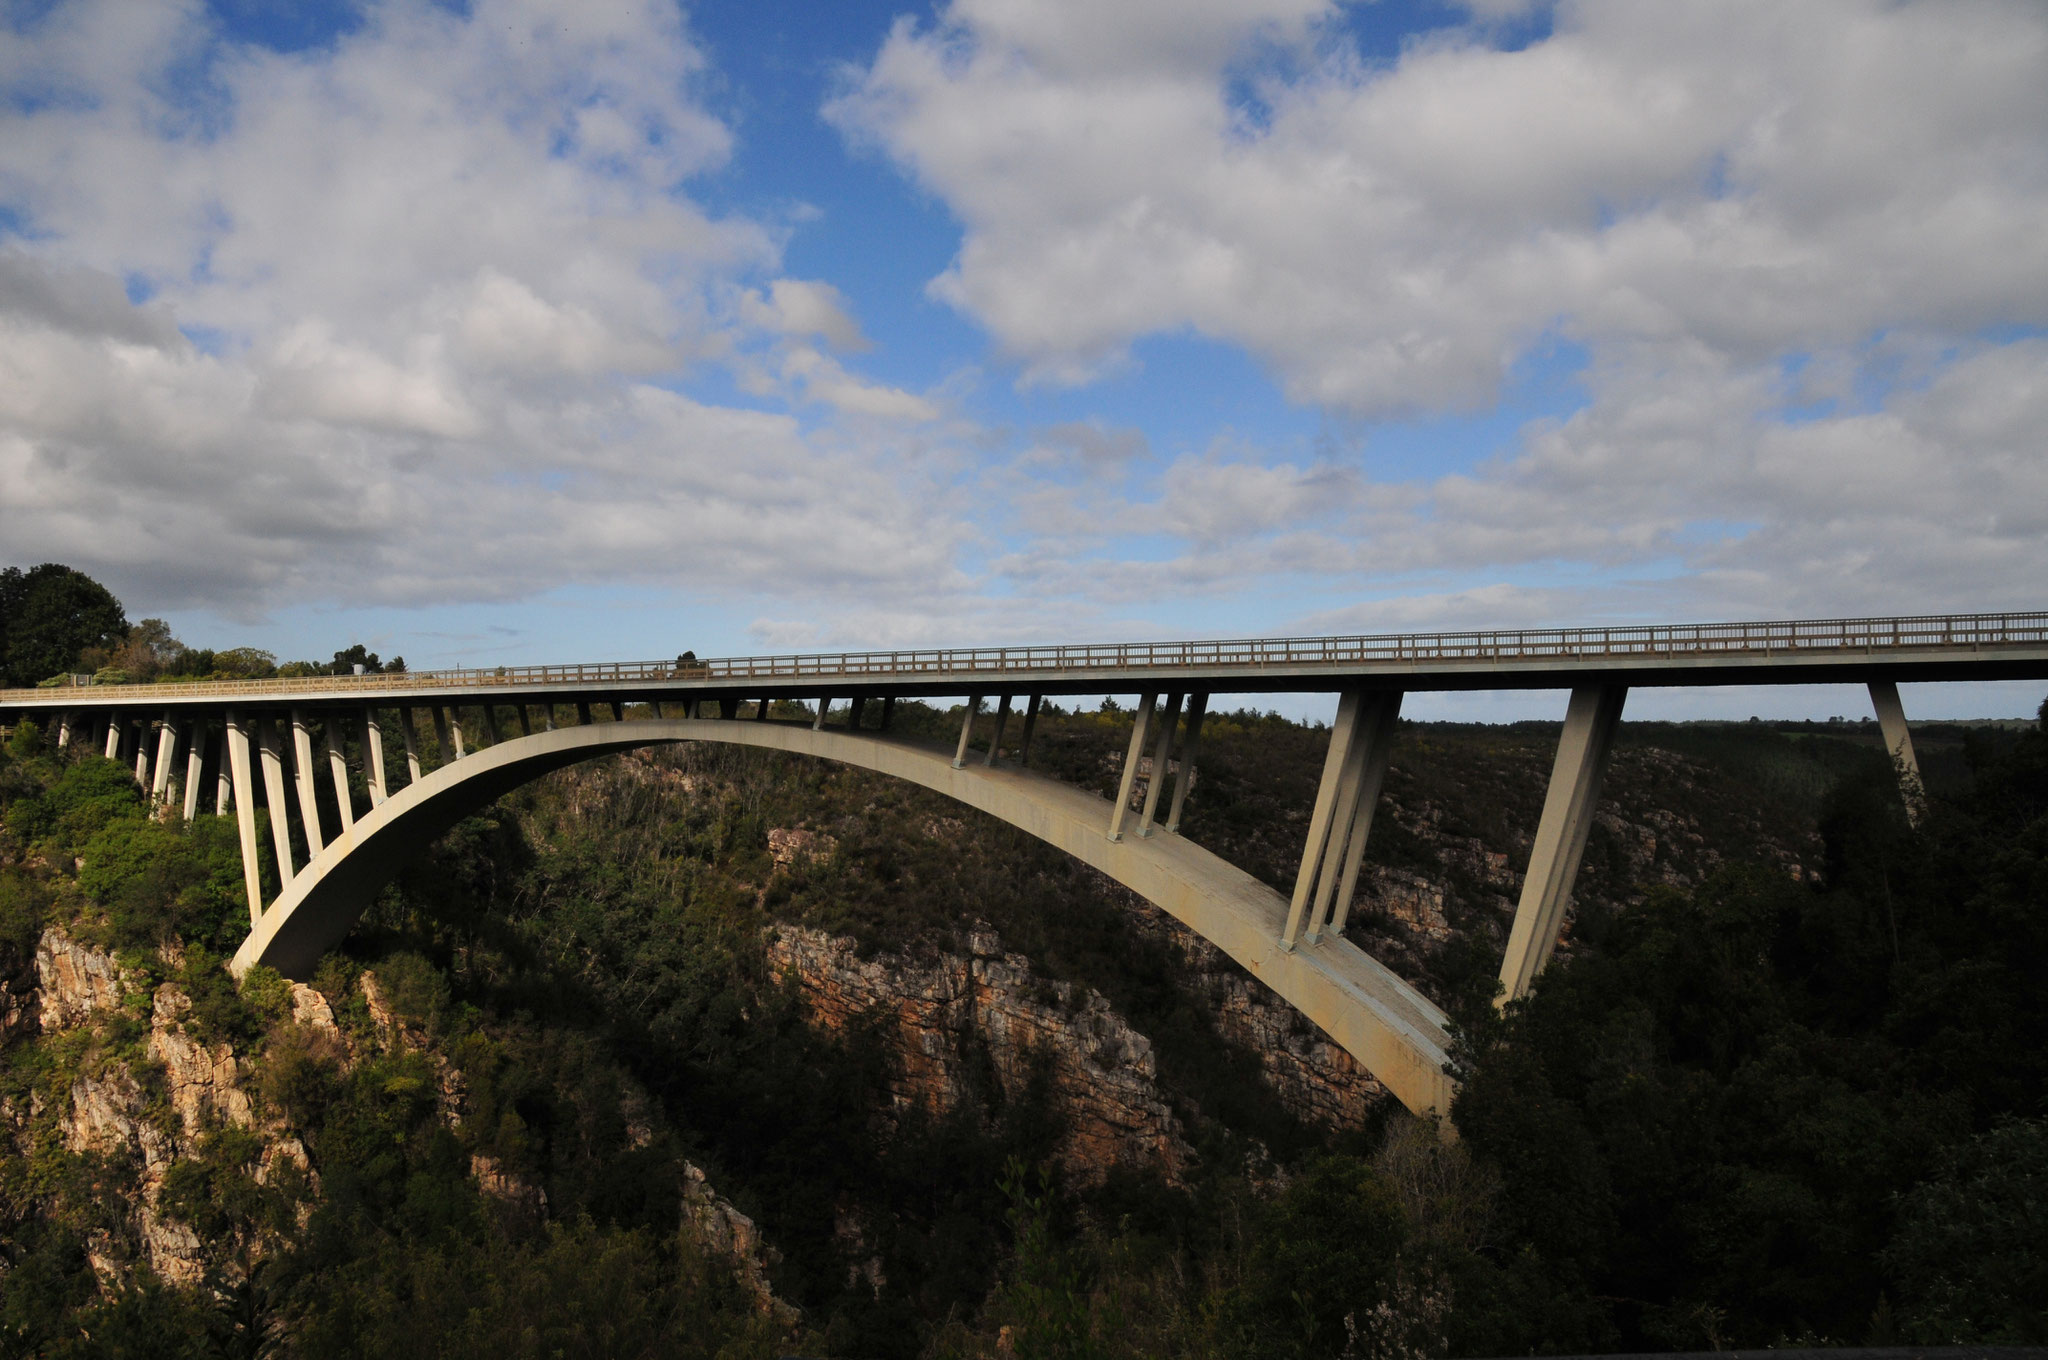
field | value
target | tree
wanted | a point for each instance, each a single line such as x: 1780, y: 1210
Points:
x: 149, y: 650
x: 48, y: 615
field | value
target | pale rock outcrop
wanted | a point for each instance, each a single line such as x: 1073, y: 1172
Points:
x: 730, y: 1233
x: 1102, y: 1073
x: 75, y: 980
x: 111, y: 1114
x: 789, y: 846
x: 1309, y: 1074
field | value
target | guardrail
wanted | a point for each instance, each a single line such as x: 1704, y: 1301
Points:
x: 1947, y: 632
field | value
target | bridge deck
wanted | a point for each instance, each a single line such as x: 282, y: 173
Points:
x: 1933, y: 647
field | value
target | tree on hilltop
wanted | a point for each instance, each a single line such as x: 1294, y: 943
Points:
x: 50, y: 614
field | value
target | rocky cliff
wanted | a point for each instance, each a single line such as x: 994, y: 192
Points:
x: 947, y: 1017
x: 132, y: 1089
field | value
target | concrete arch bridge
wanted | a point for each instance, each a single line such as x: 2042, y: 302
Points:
x: 232, y: 746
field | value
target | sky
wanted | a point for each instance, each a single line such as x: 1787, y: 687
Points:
x: 507, y: 331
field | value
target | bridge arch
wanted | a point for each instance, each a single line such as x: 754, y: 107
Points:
x: 1396, y: 1032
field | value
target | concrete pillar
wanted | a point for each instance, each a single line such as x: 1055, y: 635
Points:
x: 761, y: 707
x: 1384, y: 717
x: 1561, y: 836
x: 142, y: 753
x: 1898, y: 744
x: 373, y: 757
x: 888, y: 710
x: 224, y: 799
x: 854, y: 709
x: 195, y: 765
x: 1030, y: 723
x: 166, y: 752
x: 412, y: 746
x: 583, y: 717
x: 1141, y: 729
x: 824, y: 703
x: 235, y: 739
x: 1162, y: 750
x: 995, y: 741
x: 618, y: 711
x: 525, y: 723
x: 1336, y: 764
x: 1198, y: 708
x: 491, y: 723
x: 273, y: 796
x: 113, y: 745
x: 64, y: 729
x: 337, y: 769
x: 302, y: 777
x: 654, y: 709
x: 966, y: 731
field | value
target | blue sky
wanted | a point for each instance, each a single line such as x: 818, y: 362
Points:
x: 506, y: 332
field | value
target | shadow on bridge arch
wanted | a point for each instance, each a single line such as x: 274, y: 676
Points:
x: 1396, y: 1032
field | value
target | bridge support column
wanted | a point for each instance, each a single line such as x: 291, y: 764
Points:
x: 195, y: 765
x: 1198, y: 708
x: 729, y: 709
x: 618, y: 711
x: 412, y: 746
x: 1898, y: 744
x: 491, y: 724
x: 1561, y: 836
x: 235, y: 741
x: 373, y: 756
x: 888, y: 711
x: 761, y: 707
x: 1162, y: 753
x: 111, y: 747
x: 824, y: 703
x: 64, y: 729
x: 1338, y: 773
x: 225, y: 799
x: 444, y: 744
x: 1002, y: 721
x: 142, y: 753
x: 583, y: 718
x: 166, y: 752
x: 525, y: 723
x: 273, y: 796
x: 1141, y: 730
x: 1031, y: 707
x: 337, y: 769
x: 302, y: 778
x: 855, y: 709
x: 966, y: 731
x: 1376, y: 738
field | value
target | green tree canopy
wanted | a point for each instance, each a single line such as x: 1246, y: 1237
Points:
x: 48, y: 615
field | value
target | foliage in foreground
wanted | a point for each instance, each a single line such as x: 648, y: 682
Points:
x: 1754, y: 1113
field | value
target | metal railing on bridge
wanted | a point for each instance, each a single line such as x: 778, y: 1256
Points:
x: 1954, y: 632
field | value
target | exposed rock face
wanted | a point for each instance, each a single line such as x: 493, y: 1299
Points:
x: 1315, y: 1079
x: 731, y: 1233
x: 788, y: 846
x: 941, y: 1010
x: 75, y: 981
x: 147, y: 1104
x: 152, y: 1124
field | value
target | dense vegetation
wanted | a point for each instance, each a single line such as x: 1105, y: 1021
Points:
x: 1743, y: 1108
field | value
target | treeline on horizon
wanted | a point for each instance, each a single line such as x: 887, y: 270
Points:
x: 1755, y: 1112
x: 56, y: 623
